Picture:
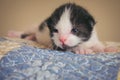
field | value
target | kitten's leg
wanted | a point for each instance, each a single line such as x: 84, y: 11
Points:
x: 111, y: 49
x: 98, y: 47
x: 14, y: 34
x: 23, y: 35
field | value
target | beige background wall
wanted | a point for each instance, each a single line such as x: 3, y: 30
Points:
x: 21, y: 14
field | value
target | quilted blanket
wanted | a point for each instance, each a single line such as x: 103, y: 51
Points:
x: 23, y: 61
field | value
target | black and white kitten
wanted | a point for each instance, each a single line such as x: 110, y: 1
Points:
x: 69, y: 28
x: 72, y: 29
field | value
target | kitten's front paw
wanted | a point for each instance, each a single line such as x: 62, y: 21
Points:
x: 98, y: 49
x: 83, y: 51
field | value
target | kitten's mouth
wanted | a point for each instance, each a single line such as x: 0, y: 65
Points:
x: 66, y: 47
x: 63, y: 48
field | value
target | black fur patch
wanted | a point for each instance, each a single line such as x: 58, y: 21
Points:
x: 24, y: 36
x: 42, y: 25
x: 82, y: 20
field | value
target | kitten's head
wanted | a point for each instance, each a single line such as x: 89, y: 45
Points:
x: 70, y: 25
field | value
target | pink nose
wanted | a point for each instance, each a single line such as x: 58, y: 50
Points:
x: 62, y: 39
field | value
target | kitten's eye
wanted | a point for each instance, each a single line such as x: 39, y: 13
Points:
x: 55, y: 30
x: 74, y: 30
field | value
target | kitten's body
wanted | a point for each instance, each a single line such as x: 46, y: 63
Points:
x: 69, y: 28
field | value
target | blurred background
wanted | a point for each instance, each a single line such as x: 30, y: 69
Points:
x: 20, y: 15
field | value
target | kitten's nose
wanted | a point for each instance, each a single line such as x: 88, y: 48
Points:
x: 62, y: 39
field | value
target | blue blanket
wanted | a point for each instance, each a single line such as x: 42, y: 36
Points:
x: 31, y: 63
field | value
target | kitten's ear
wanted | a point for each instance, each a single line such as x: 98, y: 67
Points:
x: 42, y: 26
x: 92, y: 22
x: 47, y: 23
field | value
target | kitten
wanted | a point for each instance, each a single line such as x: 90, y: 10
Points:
x: 72, y: 29
x: 69, y: 28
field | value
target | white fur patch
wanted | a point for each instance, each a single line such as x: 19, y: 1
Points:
x: 64, y: 27
x: 73, y: 40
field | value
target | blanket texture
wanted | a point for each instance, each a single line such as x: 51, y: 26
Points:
x: 25, y: 62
